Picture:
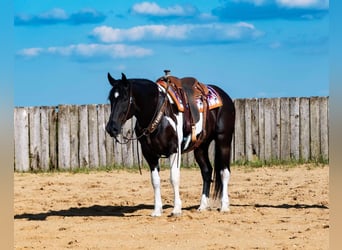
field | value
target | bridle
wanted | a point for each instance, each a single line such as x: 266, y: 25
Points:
x: 156, y: 118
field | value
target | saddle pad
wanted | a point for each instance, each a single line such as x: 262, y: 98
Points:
x: 213, y: 98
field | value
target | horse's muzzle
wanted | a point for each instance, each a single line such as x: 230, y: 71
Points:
x: 112, y: 129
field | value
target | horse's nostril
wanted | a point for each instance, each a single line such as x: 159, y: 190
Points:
x: 112, y: 130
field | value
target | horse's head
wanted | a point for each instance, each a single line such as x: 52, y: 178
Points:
x: 120, y: 101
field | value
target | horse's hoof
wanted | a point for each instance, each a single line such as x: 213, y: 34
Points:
x: 224, y: 210
x: 201, y: 209
x: 175, y: 214
x: 156, y: 213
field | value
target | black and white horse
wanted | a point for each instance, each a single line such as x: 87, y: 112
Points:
x: 159, y: 129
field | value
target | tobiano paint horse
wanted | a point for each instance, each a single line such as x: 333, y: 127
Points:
x: 163, y: 130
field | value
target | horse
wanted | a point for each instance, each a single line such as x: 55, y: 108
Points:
x: 160, y: 130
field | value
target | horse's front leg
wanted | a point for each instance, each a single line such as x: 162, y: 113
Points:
x: 175, y: 181
x: 158, y: 206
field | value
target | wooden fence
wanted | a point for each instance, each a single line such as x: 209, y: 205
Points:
x: 70, y: 136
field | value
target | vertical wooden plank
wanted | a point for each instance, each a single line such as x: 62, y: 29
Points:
x: 74, y: 137
x: 127, y: 147
x: 93, y: 136
x: 118, y: 152
x: 83, y: 136
x: 268, y: 128
x: 294, y: 130
x: 240, y: 130
x: 63, y: 137
x: 21, y: 139
x: 191, y: 159
x: 304, y: 111
x: 285, y: 144
x: 324, y: 127
x: 102, y: 134
x: 44, y: 138
x: 261, y: 129
x: 314, y: 128
x: 35, y: 149
x: 255, y: 129
x: 275, y: 128
x: 248, y: 130
x: 53, y: 140
x: 109, y: 141
x: 211, y: 152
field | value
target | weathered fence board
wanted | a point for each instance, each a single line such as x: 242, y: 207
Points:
x: 294, y: 132
x: 45, y: 138
x: 268, y: 128
x: 285, y: 138
x: 324, y: 118
x: 239, y: 147
x: 74, y: 137
x: 93, y: 136
x: 53, y: 142
x: 255, y: 129
x: 261, y: 125
x: 21, y: 139
x: 102, y: 135
x: 64, y: 137
x: 84, y: 138
x: 109, y: 140
x: 314, y: 127
x: 248, y: 130
x: 70, y: 136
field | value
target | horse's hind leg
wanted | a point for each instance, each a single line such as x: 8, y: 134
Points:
x: 202, y: 158
x: 222, y: 169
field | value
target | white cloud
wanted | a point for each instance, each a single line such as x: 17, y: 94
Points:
x: 89, y: 51
x: 185, y: 32
x: 56, y: 13
x: 153, y: 9
x: 304, y: 3
x: 109, y: 34
x: 255, y: 2
x: 30, y: 52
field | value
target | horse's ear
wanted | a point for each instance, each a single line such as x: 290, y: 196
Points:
x: 124, y: 80
x: 111, y: 80
x: 123, y: 77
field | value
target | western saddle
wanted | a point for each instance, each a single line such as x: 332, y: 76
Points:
x: 187, y: 92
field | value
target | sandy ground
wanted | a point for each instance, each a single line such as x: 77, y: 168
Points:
x: 271, y: 208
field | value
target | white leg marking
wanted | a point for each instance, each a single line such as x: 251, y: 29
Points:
x: 204, y: 205
x: 224, y: 199
x: 158, y: 206
x: 175, y: 160
x: 175, y: 181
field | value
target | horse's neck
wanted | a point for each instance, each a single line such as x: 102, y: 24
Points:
x: 146, y: 101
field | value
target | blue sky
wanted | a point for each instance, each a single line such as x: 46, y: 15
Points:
x: 251, y: 48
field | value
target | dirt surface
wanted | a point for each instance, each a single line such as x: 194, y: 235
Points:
x: 271, y: 208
